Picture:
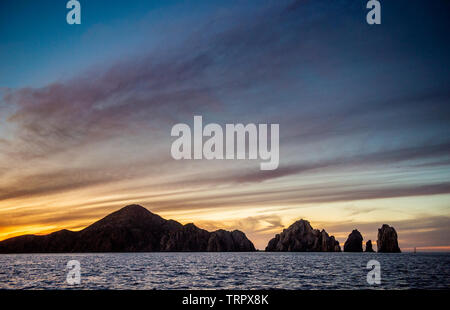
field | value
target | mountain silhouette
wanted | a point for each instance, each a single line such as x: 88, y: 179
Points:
x: 131, y: 229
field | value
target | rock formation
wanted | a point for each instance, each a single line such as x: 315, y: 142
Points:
x: 192, y: 238
x: 130, y: 229
x: 369, y: 246
x: 301, y: 237
x: 387, y: 240
x: 354, y: 242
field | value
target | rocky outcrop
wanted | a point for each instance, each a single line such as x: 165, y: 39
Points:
x: 301, y: 237
x: 354, y: 242
x: 194, y: 239
x: 235, y: 241
x: 369, y: 246
x: 130, y: 229
x: 387, y: 240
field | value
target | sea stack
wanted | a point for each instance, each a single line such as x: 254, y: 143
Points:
x: 301, y: 237
x: 354, y: 242
x: 387, y: 240
x: 369, y: 247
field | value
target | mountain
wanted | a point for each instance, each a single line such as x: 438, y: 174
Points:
x: 354, y: 242
x: 301, y: 237
x: 131, y: 229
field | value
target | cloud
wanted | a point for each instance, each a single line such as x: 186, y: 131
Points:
x: 123, y: 99
x: 296, y: 196
x: 439, y: 153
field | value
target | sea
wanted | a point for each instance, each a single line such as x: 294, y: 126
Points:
x: 243, y: 271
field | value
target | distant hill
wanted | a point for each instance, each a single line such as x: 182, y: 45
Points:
x: 131, y: 229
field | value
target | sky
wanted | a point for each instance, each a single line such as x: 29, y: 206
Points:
x: 86, y: 113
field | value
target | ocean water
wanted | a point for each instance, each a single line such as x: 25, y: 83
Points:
x: 226, y: 271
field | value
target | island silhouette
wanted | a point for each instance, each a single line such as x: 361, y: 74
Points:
x: 135, y: 229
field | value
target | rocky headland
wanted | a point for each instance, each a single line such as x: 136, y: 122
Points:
x: 131, y: 229
x: 301, y: 237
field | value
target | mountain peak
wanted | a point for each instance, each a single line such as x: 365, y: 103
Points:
x: 134, y: 208
x: 131, y: 211
x: 130, y: 216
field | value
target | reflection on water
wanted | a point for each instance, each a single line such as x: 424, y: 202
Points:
x: 225, y: 271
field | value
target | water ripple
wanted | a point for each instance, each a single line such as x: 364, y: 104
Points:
x: 226, y: 271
